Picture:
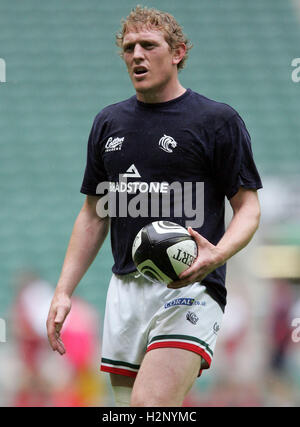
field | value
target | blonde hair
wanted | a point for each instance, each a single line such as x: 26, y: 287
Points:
x: 143, y: 17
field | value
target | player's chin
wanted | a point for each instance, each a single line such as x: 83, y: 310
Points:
x: 141, y: 87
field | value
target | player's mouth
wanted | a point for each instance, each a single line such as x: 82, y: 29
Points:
x: 139, y: 72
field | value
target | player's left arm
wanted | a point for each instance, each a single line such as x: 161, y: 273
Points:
x: 243, y: 225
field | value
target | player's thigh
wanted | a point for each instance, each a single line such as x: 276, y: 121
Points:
x: 165, y: 377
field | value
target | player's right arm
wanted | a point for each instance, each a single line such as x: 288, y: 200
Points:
x: 88, y: 235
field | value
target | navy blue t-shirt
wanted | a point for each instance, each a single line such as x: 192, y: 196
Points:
x: 189, y: 140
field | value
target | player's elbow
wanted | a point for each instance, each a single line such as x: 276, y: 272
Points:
x: 252, y: 210
x: 252, y: 215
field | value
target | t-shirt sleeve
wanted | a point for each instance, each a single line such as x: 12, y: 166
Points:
x: 94, y: 171
x: 233, y: 163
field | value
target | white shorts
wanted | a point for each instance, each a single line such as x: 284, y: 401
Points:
x: 141, y: 316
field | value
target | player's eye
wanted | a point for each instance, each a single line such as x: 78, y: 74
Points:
x: 128, y: 48
x: 148, y: 46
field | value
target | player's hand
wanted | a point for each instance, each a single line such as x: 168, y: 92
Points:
x: 59, y: 309
x: 208, y: 259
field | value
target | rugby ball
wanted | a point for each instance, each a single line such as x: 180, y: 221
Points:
x: 162, y: 250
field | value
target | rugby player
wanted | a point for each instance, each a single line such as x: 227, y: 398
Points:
x: 157, y: 339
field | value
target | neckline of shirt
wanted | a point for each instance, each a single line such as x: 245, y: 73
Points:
x: 163, y: 104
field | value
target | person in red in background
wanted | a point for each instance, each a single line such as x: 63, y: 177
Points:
x: 75, y: 383
x: 27, y: 316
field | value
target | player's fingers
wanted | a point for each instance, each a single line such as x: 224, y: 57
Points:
x: 54, y: 342
x: 53, y: 332
x: 195, y: 268
x: 60, y: 346
x: 60, y: 317
x: 188, y: 276
x: 193, y: 273
x: 57, y: 344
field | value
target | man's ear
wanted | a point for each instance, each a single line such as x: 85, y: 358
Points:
x: 178, y: 53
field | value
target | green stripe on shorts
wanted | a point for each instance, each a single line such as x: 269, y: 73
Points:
x: 119, y: 363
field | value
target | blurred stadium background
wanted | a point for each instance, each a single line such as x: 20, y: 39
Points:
x: 62, y: 67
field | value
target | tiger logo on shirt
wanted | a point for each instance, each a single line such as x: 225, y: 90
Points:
x: 166, y: 143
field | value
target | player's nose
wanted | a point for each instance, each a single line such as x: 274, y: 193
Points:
x: 138, y: 52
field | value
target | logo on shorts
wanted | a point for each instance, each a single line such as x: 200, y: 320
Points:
x: 191, y: 317
x: 180, y: 301
x: 184, y: 301
x: 216, y: 327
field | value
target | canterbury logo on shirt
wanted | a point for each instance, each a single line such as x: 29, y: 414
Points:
x: 114, y: 144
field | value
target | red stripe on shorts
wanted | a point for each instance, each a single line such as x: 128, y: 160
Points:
x: 119, y: 371
x: 184, y: 345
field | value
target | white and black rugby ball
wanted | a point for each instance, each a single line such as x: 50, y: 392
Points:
x: 162, y: 250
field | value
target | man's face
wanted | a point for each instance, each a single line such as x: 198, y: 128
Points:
x: 149, y: 60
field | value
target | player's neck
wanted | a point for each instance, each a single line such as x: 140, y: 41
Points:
x: 161, y: 94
